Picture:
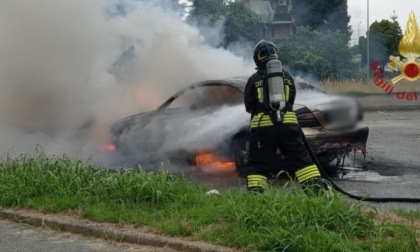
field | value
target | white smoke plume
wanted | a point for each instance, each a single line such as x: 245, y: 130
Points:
x: 69, y: 69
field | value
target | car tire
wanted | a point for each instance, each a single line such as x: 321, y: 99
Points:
x: 239, y: 152
x: 325, y: 161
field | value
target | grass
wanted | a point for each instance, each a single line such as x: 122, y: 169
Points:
x: 279, y: 220
x: 415, y: 215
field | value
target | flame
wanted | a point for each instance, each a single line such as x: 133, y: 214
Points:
x: 208, y: 159
x: 102, y: 137
x: 109, y: 147
x: 409, y: 45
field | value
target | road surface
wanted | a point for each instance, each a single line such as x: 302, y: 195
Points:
x: 17, y: 237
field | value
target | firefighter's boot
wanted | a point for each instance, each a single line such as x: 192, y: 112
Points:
x: 317, y: 187
x: 256, y: 183
x: 312, y: 183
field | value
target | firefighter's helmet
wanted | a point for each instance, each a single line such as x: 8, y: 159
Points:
x: 263, y: 52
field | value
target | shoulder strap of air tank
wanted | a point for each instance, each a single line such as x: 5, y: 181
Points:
x: 281, y: 74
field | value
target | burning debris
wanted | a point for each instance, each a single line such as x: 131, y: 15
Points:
x: 208, y: 159
x: 110, y: 147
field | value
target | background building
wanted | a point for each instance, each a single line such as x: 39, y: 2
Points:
x: 278, y: 16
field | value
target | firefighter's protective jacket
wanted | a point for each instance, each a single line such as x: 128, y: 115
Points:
x: 256, y: 100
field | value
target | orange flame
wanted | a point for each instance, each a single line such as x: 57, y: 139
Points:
x: 101, y: 136
x: 109, y: 147
x: 208, y: 159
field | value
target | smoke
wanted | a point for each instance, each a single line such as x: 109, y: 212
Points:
x: 186, y: 132
x: 71, y: 68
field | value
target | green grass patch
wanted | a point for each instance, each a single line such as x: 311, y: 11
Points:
x: 277, y: 220
x: 408, y: 214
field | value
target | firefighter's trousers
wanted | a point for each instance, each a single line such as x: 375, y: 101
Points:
x: 264, y: 142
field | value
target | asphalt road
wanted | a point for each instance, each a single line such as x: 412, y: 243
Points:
x: 16, y: 237
x: 392, y: 167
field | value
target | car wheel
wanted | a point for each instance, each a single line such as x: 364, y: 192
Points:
x: 325, y: 161
x: 239, y: 151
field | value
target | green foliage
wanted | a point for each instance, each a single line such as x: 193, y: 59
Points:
x: 37, y: 177
x: 408, y: 214
x: 281, y: 219
x: 362, y: 48
x: 355, y: 49
x: 323, y: 55
x: 207, y: 10
x: 319, y: 47
x: 323, y: 15
x: 384, y: 38
x: 388, y: 236
x: 294, y: 222
x: 240, y: 24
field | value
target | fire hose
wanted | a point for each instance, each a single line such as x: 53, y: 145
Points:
x: 337, y: 188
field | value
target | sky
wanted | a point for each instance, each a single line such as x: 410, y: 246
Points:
x: 378, y: 10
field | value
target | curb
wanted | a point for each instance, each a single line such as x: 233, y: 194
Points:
x: 392, y: 108
x: 107, y: 231
x: 372, y: 102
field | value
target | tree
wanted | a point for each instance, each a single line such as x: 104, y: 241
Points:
x: 240, y: 24
x: 324, y: 55
x: 363, y: 47
x: 355, y: 49
x: 323, y: 15
x: 384, y: 38
x: 207, y: 11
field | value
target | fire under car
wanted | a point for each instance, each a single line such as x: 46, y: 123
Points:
x: 207, y: 119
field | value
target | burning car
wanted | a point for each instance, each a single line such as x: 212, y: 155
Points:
x: 209, y: 117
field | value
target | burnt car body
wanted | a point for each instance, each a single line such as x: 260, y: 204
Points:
x: 210, y: 116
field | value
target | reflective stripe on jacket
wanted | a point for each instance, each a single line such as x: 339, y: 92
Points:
x: 264, y: 120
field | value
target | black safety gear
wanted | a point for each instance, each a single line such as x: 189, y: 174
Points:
x: 266, y: 136
x: 262, y: 156
x: 257, y: 101
x: 317, y: 186
x: 263, y: 52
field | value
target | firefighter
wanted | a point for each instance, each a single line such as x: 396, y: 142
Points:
x: 275, y: 128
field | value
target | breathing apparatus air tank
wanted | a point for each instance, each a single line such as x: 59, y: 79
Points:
x: 276, y: 92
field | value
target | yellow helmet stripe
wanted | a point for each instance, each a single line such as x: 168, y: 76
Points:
x: 261, y: 57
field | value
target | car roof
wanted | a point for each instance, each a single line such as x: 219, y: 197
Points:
x: 235, y: 82
x: 238, y: 82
